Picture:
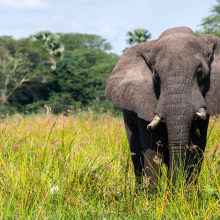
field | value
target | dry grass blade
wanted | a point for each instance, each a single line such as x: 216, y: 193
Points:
x: 91, y: 163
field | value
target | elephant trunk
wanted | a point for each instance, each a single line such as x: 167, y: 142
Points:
x: 178, y: 118
x: 177, y: 107
x: 178, y: 128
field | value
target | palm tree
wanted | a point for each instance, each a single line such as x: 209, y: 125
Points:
x: 138, y: 36
x: 52, y: 44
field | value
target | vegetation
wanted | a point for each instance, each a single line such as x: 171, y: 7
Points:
x: 79, y: 167
x: 137, y: 36
x: 61, y: 70
x: 52, y: 44
x: 24, y: 68
x: 211, y: 24
x: 64, y: 70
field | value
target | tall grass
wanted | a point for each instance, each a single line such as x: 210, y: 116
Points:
x: 78, y: 167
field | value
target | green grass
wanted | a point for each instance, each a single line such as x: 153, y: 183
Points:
x: 89, y: 161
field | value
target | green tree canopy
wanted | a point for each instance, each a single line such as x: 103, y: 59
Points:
x: 82, y: 74
x: 51, y: 42
x: 79, y: 79
x: 138, y: 36
x: 211, y: 24
x: 21, y: 62
x: 53, y: 45
x: 84, y: 41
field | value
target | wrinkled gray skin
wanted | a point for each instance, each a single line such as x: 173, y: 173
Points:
x: 173, y: 77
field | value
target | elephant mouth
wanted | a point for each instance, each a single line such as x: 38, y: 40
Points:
x: 201, y: 113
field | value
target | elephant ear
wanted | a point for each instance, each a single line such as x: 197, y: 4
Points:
x: 212, y: 90
x: 130, y: 85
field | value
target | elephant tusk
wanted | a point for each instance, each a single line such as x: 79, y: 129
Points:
x: 156, y: 120
x: 201, y: 113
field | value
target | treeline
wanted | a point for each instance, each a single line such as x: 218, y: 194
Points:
x: 63, y: 71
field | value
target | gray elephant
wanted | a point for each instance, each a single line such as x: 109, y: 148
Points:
x: 167, y: 89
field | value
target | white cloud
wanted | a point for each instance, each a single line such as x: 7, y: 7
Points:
x: 24, y: 4
x: 76, y: 26
x: 106, y: 31
x: 58, y: 18
x: 132, y: 27
x: 55, y: 20
x: 42, y: 28
x: 93, y: 24
x: 17, y: 34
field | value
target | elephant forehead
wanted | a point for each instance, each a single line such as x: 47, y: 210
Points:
x: 175, y: 30
x: 180, y: 43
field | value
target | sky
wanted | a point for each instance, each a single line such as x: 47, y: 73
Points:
x: 110, y: 19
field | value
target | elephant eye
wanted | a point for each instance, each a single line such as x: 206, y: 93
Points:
x: 156, y: 74
x: 156, y: 77
x: 200, y: 75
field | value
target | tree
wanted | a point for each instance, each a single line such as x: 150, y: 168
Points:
x: 52, y: 44
x: 28, y: 83
x: 81, y: 78
x: 211, y: 24
x: 21, y: 62
x: 84, y: 41
x: 138, y: 36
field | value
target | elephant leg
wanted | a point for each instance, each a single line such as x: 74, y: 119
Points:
x: 134, y: 143
x: 155, y: 148
x: 198, y: 136
x: 148, y: 149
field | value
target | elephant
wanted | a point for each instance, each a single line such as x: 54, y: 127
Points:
x: 168, y: 88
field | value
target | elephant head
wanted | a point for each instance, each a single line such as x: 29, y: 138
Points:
x: 174, y: 78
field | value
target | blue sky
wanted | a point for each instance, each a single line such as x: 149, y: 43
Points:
x: 110, y: 19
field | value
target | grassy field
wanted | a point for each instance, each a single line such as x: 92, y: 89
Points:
x: 78, y: 167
